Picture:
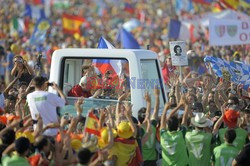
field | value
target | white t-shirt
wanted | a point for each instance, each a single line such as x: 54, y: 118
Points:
x: 45, y: 103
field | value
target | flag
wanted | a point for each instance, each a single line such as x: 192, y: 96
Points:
x: 129, y: 8
x: 103, y: 43
x: 245, y: 3
x: 127, y: 152
x: 204, y: 2
x: 183, y: 5
x: 217, y: 7
x: 60, y: 4
x: 17, y: 26
x: 103, y: 65
x: 71, y: 24
x: 34, y: 12
x: 39, y: 34
x: 92, y: 124
x: 174, y: 29
x: 38, y: 2
x: 231, y: 4
x: 239, y: 72
x: 127, y: 40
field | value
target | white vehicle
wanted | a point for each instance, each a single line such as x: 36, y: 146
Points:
x: 141, y: 67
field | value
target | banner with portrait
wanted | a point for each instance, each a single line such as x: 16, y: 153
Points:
x: 229, y: 32
x: 178, y: 53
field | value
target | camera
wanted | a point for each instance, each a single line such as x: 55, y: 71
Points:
x: 50, y: 84
x: 19, y: 60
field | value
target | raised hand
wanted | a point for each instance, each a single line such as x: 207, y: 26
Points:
x: 147, y: 97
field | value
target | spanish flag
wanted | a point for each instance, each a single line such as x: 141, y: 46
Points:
x: 127, y: 152
x: 245, y: 3
x: 92, y: 124
x: 232, y: 4
x: 71, y: 24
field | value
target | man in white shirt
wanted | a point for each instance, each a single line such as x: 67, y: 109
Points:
x: 44, y: 103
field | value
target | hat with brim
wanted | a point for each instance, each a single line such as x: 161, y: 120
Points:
x: 124, y: 130
x: 201, y: 121
x: 230, y: 118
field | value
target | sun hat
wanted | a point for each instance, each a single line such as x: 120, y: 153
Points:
x: 76, y: 144
x: 201, y: 121
x: 26, y: 134
x: 124, y: 130
x: 103, y: 139
x: 230, y: 118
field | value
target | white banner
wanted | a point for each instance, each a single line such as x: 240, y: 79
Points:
x: 229, y: 32
x: 178, y: 53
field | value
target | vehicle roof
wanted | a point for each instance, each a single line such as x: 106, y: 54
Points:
x: 115, y: 53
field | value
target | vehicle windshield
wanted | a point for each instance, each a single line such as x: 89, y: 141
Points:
x: 99, y: 81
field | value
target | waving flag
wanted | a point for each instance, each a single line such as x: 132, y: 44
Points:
x: 92, y: 124
x: 103, y: 65
x: 17, y: 26
x: 232, y: 4
x: 103, y: 43
x: 183, y: 5
x: 204, y: 2
x: 174, y: 29
x: 245, y: 3
x: 239, y: 72
x: 40, y: 31
x: 34, y: 12
x: 127, y: 40
x: 71, y: 24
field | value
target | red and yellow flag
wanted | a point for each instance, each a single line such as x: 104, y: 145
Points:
x: 232, y: 4
x: 127, y: 152
x: 71, y: 24
x: 92, y: 124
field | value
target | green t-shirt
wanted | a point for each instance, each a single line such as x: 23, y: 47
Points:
x: 240, y: 140
x: 14, y: 160
x: 224, y: 154
x: 173, y: 147
x: 199, y: 147
x: 148, y: 149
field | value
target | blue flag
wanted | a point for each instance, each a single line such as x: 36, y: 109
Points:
x: 239, y: 72
x: 103, y: 43
x: 39, y: 34
x: 127, y: 40
x: 34, y: 12
x: 174, y: 29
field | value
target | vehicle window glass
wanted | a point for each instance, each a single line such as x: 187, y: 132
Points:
x: 151, y: 77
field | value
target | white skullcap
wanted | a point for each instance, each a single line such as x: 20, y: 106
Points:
x: 83, y: 80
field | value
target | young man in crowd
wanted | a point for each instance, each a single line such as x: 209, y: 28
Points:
x: 44, y: 103
x: 149, y: 138
x: 172, y: 140
x: 226, y: 152
x: 198, y: 141
x: 22, y: 146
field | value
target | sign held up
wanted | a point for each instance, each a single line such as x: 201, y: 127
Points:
x: 178, y: 53
x: 229, y: 32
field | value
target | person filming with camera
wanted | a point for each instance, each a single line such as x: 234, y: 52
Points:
x: 21, y: 65
x: 43, y: 103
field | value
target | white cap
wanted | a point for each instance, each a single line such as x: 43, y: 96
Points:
x: 83, y: 80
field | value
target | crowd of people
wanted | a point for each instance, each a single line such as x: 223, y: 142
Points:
x: 212, y: 130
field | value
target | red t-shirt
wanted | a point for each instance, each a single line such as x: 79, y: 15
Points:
x: 77, y: 91
x: 166, y: 71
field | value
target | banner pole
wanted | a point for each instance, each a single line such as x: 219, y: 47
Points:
x: 180, y: 73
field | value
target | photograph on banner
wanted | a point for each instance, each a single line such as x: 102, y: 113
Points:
x: 229, y: 32
x: 178, y: 53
